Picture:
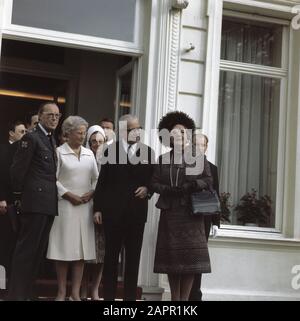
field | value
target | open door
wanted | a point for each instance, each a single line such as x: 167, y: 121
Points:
x: 126, y: 79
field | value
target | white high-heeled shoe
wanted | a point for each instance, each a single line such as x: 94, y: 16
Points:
x: 71, y: 299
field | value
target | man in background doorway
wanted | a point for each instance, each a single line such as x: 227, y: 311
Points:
x: 211, y: 222
x: 7, y: 233
x: 16, y: 131
x: 32, y: 121
x: 109, y: 128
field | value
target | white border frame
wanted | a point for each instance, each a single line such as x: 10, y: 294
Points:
x: 135, y: 48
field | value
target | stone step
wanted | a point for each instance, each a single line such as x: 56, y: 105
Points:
x: 45, y: 289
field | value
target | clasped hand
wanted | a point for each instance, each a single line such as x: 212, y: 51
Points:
x: 3, y: 207
x: 141, y: 192
x: 78, y: 200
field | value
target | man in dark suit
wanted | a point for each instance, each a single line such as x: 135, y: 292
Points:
x: 121, y: 200
x: 15, y: 132
x: 7, y: 235
x: 33, y: 175
x: 210, y: 221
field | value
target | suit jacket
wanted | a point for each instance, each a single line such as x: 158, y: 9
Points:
x: 161, y: 181
x: 33, y: 173
x: 7, y: 152
x: 215, y: 219
x: 7, y: 235
x: 114, y: 194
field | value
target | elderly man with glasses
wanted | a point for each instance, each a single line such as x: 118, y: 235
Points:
x: 121, y: 203
x: 33, y: 175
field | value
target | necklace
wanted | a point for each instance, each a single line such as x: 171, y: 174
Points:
x: 171, y: 172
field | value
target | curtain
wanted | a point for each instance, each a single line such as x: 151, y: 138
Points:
x: 249, y: 43
x: 248, y: 120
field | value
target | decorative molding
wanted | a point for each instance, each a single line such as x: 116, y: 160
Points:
x: 180, y: 4
x: 283, y: 9
x: 174, y: 44
x: 212, y: 71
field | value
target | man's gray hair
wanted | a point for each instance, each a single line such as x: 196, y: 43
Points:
x: 126, y: 118
x: 72, y: 123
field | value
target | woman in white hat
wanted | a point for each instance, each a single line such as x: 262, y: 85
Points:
x: 95, y: 141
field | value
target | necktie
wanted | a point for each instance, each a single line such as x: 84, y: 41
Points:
x: 53, y: 145
x: 129, y: 152
x: 129, y: 149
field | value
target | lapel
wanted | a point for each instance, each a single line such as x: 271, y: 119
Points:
x: 121, y: 153
x: 138, y: 150
x: 44, y: 138
x: 49, y: 142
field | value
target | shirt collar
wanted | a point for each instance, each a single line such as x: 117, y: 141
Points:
x: 126, y: 146
x: 43, y: 129
x: 109, y: 142
x: 66, y: 149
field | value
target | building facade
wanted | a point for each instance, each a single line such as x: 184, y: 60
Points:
x: 234, y: 66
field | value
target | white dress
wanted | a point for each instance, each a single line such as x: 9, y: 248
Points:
x: 72, y: 236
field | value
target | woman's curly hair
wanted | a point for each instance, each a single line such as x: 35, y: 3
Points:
x: 174, y: 118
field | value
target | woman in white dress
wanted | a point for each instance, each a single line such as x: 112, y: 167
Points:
x: 95, y: 141
x: 72, y: 237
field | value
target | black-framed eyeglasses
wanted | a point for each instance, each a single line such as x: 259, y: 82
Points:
x: 134, y: 129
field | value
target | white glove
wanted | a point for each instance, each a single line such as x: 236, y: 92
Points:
x: 214, y: 231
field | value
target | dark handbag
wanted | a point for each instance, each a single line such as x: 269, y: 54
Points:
x: 205, y: 203
x: 13, y: 213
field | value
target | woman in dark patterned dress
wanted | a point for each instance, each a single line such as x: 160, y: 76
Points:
x: 96, y: 139
x: 181, y: 249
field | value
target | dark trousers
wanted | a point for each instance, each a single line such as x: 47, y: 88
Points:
x: 30, y: 249
x: 130, y: 236
x: 196, y: 293
x: 7, y: 243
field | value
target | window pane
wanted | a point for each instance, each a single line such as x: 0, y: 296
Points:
x: 113, y: 19
x: 248, y: 121
x: 251, y: 42
x: 125, y: 105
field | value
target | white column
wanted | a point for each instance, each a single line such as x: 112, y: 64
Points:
x: 212, y: 71
x: 162, y: 80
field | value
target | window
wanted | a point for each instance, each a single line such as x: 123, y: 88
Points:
x: 250, y: 117
x: 113, y: 19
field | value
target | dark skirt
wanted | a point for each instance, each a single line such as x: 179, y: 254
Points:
x: 181, y: 246
x: 100, y: 245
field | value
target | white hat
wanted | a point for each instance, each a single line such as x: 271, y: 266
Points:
x: 92, y: 130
